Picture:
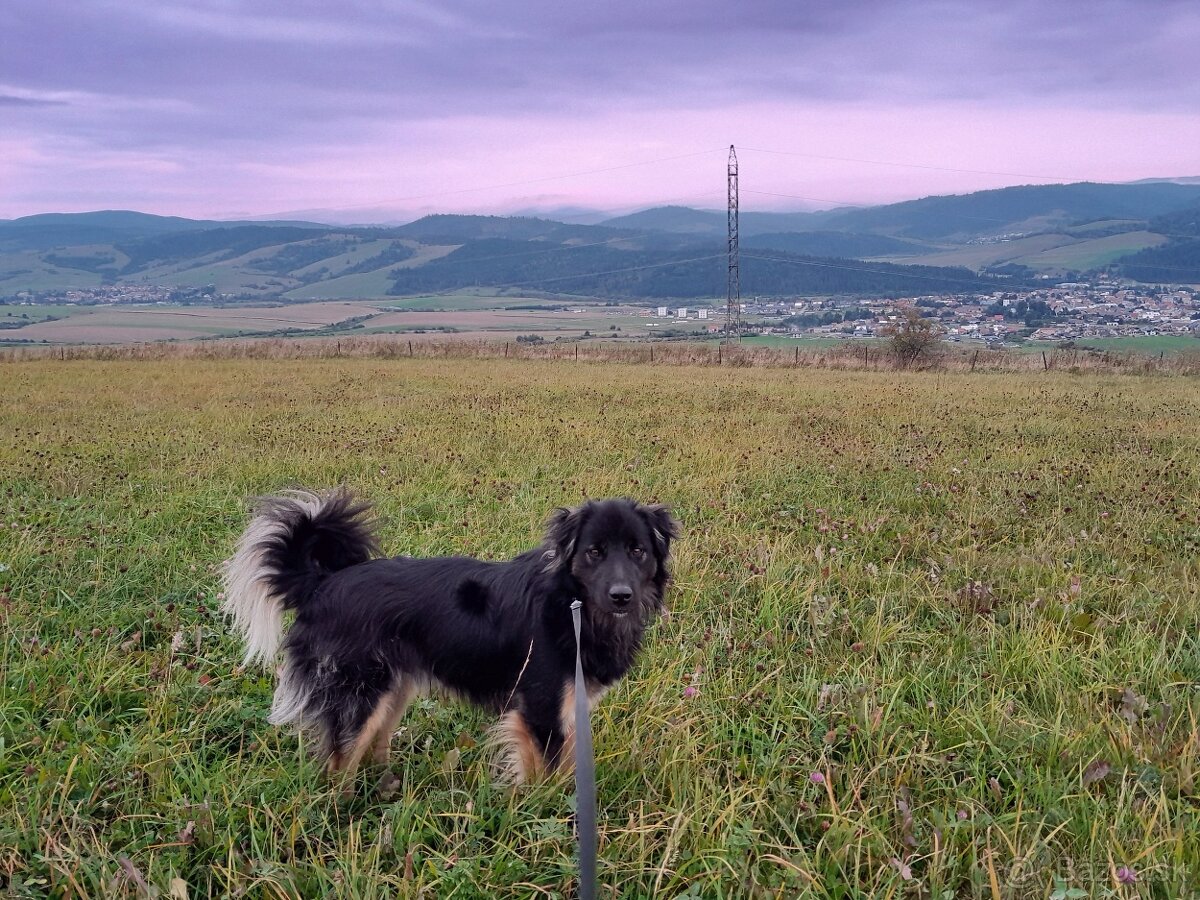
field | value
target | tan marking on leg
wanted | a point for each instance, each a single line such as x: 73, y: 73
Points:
x: 566, y: 720
x: 520, y: 756
x: 399, y: 698
x: 345, y: 762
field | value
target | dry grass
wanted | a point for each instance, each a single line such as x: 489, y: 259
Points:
x: 933, y: 635
x: 846, y: 357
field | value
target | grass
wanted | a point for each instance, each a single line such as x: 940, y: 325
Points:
x: 1044, y: 252
x: 1149, y: 344
x: 941, y: 630
x: 472, y: 300
x: 40, y: 311
x: 809, y: 341
x: 1092, y: 253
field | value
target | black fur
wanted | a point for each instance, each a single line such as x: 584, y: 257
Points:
x: 498, y: 634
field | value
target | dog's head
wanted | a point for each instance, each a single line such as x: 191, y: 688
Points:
x: 617, y: 552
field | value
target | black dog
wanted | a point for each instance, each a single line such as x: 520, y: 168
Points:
x: 370, y: 634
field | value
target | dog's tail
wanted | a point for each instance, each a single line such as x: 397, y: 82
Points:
x: 293, y: 542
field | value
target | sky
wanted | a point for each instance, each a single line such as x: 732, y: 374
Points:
x: 384, y: 110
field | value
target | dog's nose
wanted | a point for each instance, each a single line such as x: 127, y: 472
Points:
x: 620, y: 594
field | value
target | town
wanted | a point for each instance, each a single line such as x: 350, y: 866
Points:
x: 1065, y: 312
x: 1060, y: 313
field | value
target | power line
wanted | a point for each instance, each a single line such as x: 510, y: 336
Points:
x: 806, y: 262
x: 811, y: 199
x: 528, y: 181
x: 903, y: 165
x: 673, y: 262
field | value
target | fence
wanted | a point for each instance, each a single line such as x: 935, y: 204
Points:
x: 848, y: 356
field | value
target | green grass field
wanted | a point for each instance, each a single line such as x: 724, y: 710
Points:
x: 1150, y: 344
x: 39, y: 313
x: 1092, y: 253
x: 932, y: 635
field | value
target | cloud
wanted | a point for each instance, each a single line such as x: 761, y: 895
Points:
x: 17, y: 100
x: 299, y: 83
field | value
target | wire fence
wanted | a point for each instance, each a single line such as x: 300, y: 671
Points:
x: 846, y: 356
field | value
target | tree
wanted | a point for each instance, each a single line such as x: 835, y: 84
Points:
x: 913, y: 338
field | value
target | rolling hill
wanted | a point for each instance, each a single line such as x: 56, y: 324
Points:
x: 1142, y: 231
x: 1028, y: 208
x: 48, y: 230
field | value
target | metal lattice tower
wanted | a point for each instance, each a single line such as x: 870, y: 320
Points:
x: 733, y: 292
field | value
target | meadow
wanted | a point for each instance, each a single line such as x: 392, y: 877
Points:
x: 932, y: 634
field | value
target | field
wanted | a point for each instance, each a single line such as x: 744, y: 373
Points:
x: 120, y: 324
x: 474, y: 314
x: 807, y: 342
x: 932, y: 635
x: 1150, y: 344
x: 1044, y: 252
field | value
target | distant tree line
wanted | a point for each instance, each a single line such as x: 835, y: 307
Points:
x: 828, y: 317
x: 604, y: 271
x: 1177, y: 262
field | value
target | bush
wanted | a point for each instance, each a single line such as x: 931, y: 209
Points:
x: 914, y: 338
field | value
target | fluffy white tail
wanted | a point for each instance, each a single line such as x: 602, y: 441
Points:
x: 292, y: 543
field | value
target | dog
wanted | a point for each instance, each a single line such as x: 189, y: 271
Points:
x: 372, y: 633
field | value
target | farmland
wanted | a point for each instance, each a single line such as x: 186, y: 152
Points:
x: 471, y: 314
x: 121, y: 324
x: 931, y: 635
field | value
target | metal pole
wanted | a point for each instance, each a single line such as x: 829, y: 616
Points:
x: 733, y: 281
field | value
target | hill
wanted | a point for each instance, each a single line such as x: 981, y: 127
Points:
x: 1029, y: 208
x: 695, y: 271
x: 49, y: 230
x: 836, y: 243
x: 442, y: 253
x: 713, y: 223
x: 1056, y: 230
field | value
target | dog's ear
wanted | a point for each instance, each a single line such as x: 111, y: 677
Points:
x: 663, y: 527
x: 562, y: 534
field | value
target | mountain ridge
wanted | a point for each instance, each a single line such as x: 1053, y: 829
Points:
x: 1055, y: 230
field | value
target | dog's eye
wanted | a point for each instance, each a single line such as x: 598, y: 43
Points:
x: 594, y: 553
x: 638, y: 552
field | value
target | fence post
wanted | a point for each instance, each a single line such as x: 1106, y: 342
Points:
x: 1045, y: 362
x: 974, y: 359
x: 576, y: 353
x: 718, y: 354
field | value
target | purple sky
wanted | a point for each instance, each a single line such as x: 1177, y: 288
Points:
x: 387, y: 108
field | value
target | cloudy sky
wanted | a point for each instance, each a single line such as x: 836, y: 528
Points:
x: 390, y: 108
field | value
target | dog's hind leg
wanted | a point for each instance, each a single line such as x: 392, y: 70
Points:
x: 360, y: 737
x: 399, y: 698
